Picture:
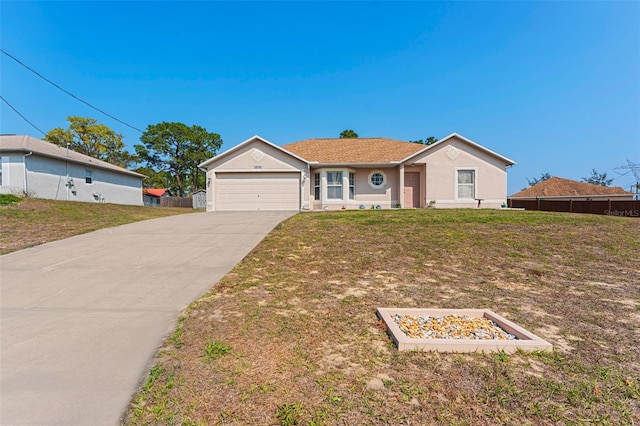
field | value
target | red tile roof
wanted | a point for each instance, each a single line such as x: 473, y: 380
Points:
x: 155, y: 192
x: 559, y: 187
x: 356, y: 150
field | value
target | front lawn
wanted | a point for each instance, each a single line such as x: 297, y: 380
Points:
x: 27, y: 222
x: 290, y: 336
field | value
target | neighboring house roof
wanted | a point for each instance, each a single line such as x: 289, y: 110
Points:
x: 559, y: 187
x: 353, y: 150
x: 155, y: 192
x: 28, y: 144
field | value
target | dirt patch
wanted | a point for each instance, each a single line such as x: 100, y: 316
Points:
x: 32, y: 221
x: 307, y: 343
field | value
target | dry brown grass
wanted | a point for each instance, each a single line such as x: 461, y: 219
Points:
x: 304, y: 346
x: 32, y: 221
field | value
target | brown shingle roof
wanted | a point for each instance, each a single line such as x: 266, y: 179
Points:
x: 357, y: 150
x: 559, y: 187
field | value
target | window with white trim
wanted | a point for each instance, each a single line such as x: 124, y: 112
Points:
x: 377, y: 179
x: 316, y: 186
x: 352, y: 186
x: 466, y: 184
x: 334, y: 185
x: 88, y: 176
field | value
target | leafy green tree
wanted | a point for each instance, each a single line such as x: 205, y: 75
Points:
x: 542, y: 178
x: 176, y: 149
x: 348, y: 134
x: 429, y: 141
x: 598, y: 178
x: 154, y: 179
x: 86, y: 136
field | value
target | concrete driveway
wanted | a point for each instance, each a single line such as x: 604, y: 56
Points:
x: 81, y: 318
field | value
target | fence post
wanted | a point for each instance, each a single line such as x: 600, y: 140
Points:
x: 571, y: 205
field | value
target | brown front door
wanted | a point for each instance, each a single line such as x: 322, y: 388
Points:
x: 412, y: 190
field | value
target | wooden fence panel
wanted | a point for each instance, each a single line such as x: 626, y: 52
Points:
x: 624, y: 208
x: 628, y: 208
x: 555, y: 206
x: 185, y: 202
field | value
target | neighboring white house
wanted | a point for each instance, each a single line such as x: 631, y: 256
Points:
x: 331, y: 174
x: 41, y: 169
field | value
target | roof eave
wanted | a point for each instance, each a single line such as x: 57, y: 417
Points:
x: 109, y: 166
x: 355, y: 165
x: 508, y: 161
x: 228, y: 152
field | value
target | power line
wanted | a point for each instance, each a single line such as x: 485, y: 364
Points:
x: 22, y: 116
x: 67, y: 92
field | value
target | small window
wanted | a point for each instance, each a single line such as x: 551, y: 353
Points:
x: 352, y: 186
x: 466, y: 184
x: 88, y: 177
x: 316, y: 186
x: 334, y: 185
x: 377, y: 179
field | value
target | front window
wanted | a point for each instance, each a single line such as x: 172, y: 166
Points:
x: 377, y: 179
x: 466, y: 184
x: 88, y: 177
x: 316, y: 186
x: 352, y: 186
x: 334, y: 185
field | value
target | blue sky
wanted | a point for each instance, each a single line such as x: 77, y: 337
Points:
x: 554, y: 86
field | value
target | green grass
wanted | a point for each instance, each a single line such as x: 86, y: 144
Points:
x: 299, y: 313
x: 28, y: 222
x: 6, y: 199
x: 216, y: 350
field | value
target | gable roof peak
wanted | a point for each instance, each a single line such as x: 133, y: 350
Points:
x: 252, y: 139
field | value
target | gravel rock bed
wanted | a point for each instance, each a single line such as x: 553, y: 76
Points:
x: 451, y: 327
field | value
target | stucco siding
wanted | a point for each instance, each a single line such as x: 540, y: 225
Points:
x: 12, y: 173
x: 455, y: 172
x: 260, y: 159
x: 47, y: 178
x: 259, y: 156
x: 365, y: 194
x: 442, y: 166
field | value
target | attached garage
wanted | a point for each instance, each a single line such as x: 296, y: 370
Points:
x: 257, y: 175
x: 257, y: 191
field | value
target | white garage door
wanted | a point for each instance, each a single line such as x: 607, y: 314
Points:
x: 258, y: 191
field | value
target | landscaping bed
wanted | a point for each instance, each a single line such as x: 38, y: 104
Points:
x: 450, y: 327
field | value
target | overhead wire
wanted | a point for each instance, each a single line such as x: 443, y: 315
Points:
x: 22, y: 116
x: 67, y: 92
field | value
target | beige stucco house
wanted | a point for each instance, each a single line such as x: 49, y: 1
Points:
x: 361, y: 173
